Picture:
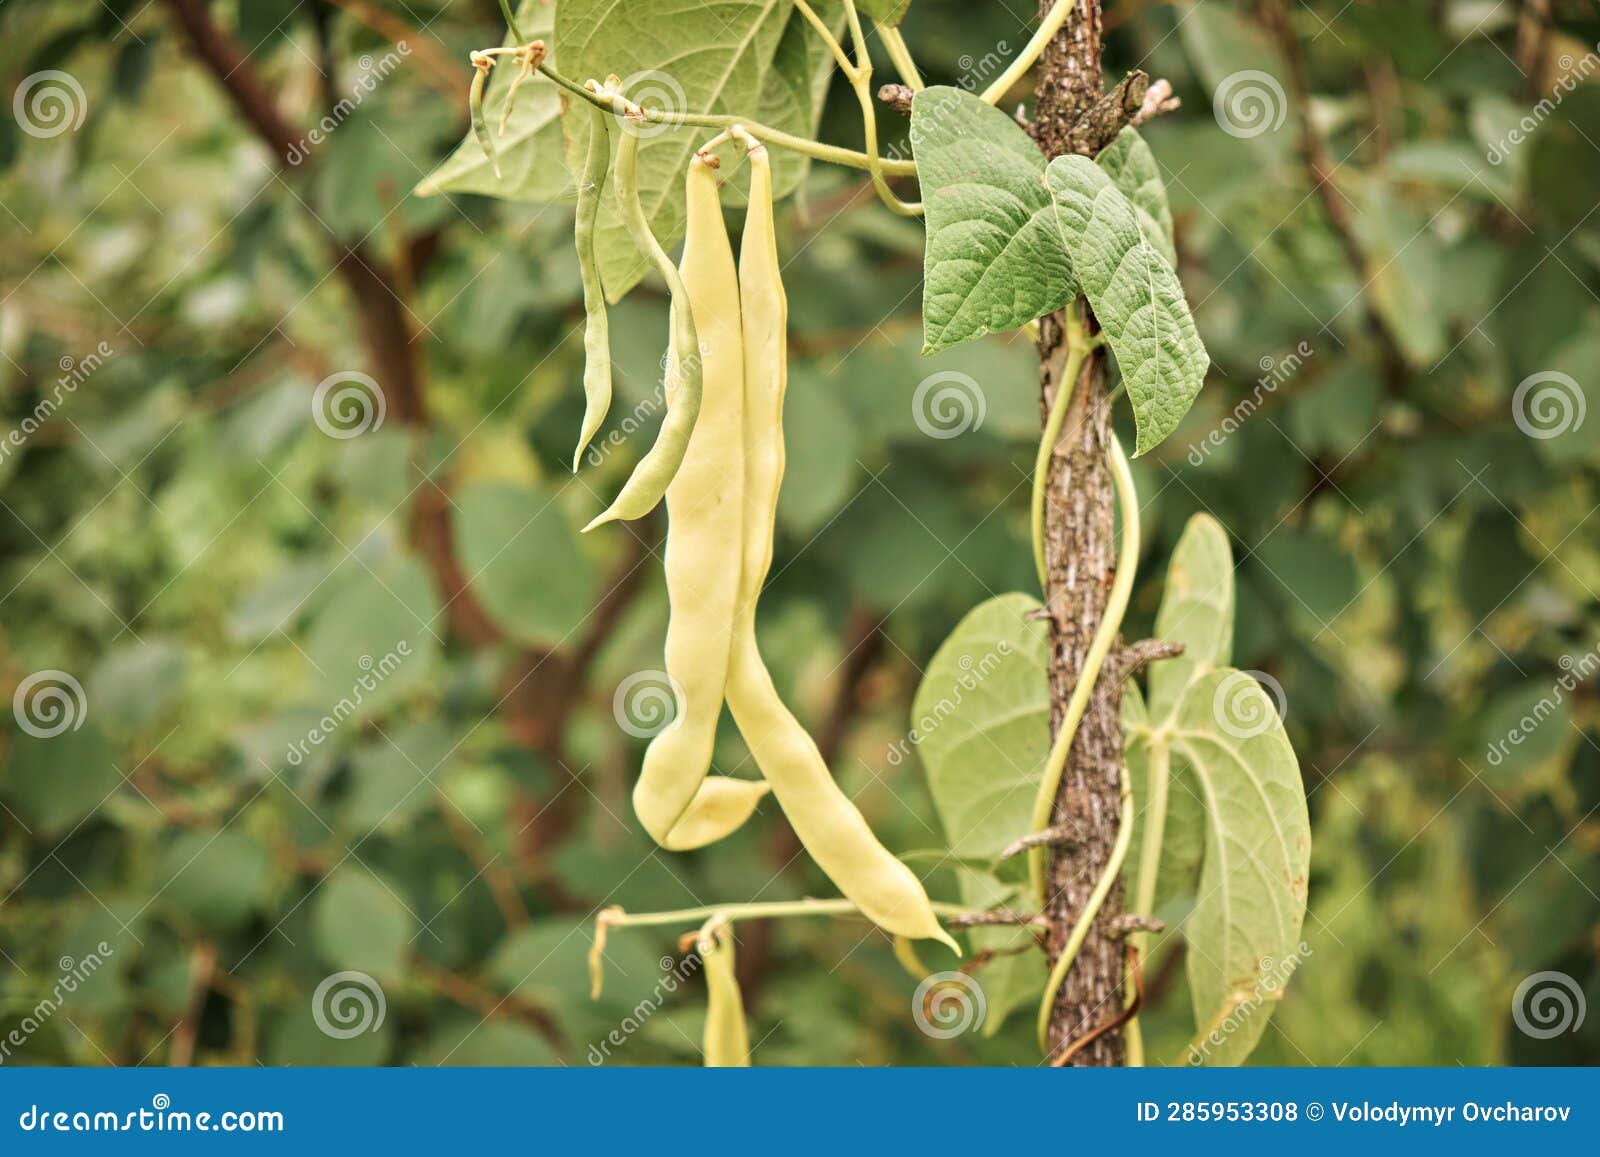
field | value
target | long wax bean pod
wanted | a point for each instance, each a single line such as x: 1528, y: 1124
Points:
x: 830, y: 826
x: 675, y: 800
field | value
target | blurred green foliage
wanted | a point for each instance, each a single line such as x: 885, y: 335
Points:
x: 221, y: 579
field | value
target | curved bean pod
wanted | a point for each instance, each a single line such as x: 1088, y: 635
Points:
x: 830, y: 826
x: 679, y: 806
x: 480, y: 120
x: 596, y: 326
x: 654, y: 473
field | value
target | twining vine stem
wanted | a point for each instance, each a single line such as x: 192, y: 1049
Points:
x: 1079, y: 346
x: 1069, y: 951
x: 1018, y: 68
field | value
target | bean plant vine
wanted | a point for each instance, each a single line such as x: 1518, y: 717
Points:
x: 1093, y: 246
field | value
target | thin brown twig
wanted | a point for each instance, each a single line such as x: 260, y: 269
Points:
x: 1059, y: 836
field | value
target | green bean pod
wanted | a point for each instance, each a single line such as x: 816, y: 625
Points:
x: 654, y: 473
x: 726, y: 1043
x: 830, y: 826
x: 596, y: 325
x: 678, y: 804
x: 480, y: 118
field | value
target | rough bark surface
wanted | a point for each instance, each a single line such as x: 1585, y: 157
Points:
x: 1080, y: 550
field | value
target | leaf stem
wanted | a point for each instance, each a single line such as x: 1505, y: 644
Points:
x: 1048, y: 27
x: 860, y: 77
x: 1099, y: 646
x: 771, y: 910
x: 899, y: 54
x: 828, y: 38
x: 832, y: 154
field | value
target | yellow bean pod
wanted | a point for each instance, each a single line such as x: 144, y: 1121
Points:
x: 726, y: 1043
x: 830, y: 826
x: 675, y: 800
